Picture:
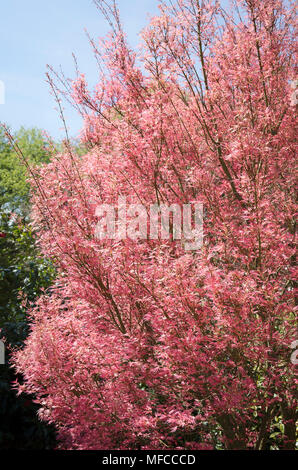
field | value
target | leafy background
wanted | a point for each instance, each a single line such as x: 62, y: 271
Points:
x: 24, y: 273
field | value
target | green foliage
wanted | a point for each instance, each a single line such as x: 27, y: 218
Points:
x: 14, y: 188
x: 24, y: 273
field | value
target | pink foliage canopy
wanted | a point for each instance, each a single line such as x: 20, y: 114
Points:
x: 142, y: 345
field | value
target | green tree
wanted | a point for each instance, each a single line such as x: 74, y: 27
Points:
x: 14, y: 187
x: 24, y: 273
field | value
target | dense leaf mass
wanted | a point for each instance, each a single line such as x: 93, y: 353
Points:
x: 143, y: 345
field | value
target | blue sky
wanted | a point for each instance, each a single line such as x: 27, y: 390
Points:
x: 34, y: 33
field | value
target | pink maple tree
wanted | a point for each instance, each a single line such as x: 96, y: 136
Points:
x: 143, y: 345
